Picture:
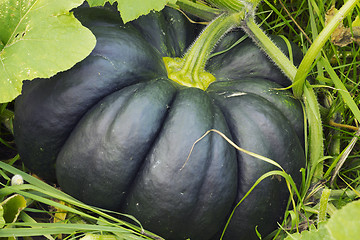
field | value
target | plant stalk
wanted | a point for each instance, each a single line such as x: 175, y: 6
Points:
x: 323, y: 205
x: 197, y: 9
x: 339, y: 193
x: 190, y: 70
x: 265, y: 43
x: 229, y: 5
x: 311, y: 105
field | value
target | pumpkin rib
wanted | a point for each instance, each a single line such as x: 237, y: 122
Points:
x: 112, y: 151
x: 167, y: 31
x: 164, y: 196
x: 205, y: 189
x: 244, y: 220
x: 169, y: 106
x: 268, y: 90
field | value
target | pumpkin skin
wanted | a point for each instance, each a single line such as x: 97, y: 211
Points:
x: 116, y: 133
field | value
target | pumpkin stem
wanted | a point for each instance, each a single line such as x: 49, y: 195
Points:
x: 190, y: 70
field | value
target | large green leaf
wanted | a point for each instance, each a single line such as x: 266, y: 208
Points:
x: 343, y: 225
x: 314, y: 234
x: 12, y: 207
x: 133, y: 9
x: 38, y: 38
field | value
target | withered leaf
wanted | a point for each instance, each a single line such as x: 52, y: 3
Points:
x: 343, y: 36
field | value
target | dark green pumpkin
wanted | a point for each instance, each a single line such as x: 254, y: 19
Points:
x: 115, y: 132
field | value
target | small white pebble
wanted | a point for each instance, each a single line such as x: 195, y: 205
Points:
x: 17, y: 180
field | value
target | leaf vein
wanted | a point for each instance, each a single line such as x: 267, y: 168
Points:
x: 21, y: 20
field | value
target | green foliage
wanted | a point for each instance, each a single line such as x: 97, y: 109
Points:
x: 314, y: 234
x: 317, y: 45
x: 11, y: 208
x: 90, y: 236
x: 343, y: 225
x: 38, y: 39
x: 333, y: 77
x: 82, y: 218
x: 131, y: 10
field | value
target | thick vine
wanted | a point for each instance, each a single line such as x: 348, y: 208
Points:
x: 190, y: 70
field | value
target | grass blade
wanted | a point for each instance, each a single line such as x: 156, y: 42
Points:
x: 315, y: 48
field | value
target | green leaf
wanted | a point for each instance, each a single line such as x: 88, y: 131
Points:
x: 2, y: 220
x: 12, y: 207
x: 343, y: 225
x: 131, y: 10
x: 316, y: 234
x: 356, y: 22
x: 40, y: 191
x: 38, y: 39
x: 90, y: 236
x: 312, y: 53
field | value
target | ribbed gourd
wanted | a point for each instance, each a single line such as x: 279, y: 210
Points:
x: 115, y: 132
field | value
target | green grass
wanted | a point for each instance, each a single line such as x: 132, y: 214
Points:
x: 334, y: 78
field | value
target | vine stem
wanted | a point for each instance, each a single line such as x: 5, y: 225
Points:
x: 232, y: 5
x: 264, y: 42
x: 312, y: 111
x: 197, y: 9
x: 323, y: 205
x: 303, y: 89
x: 190, y: 70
